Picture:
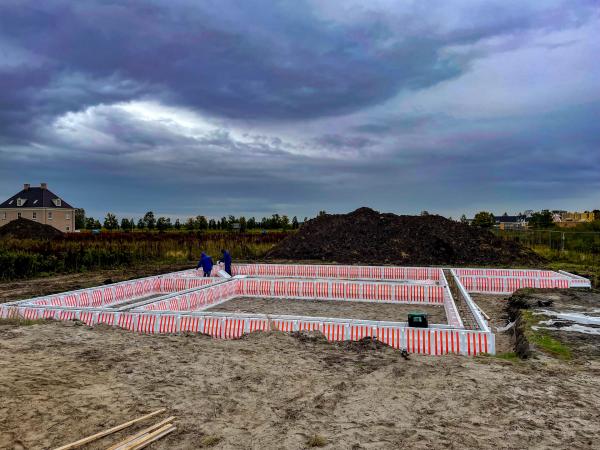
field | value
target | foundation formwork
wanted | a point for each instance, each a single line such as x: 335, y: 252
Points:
x: 178, y: 302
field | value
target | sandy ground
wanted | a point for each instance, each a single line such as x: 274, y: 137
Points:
x: 328, y: 308
x: 61, y: 381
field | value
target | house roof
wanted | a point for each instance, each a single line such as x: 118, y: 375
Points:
x: 36, y: 197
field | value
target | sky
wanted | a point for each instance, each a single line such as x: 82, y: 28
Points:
x: 258, y: 107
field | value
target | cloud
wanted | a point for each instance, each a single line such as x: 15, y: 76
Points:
x: 250, y: 107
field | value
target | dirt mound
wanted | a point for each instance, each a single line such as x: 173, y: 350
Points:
x: 366, y: 236
x: 28, y: 229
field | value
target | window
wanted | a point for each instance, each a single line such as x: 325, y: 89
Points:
x: 21, y: 201
x: 34, y: 215
x: 68, y: 216
x: 3, y: 216
x: 68, y: 228
x: 49, y: 215
x: 18, y: 215
x: 56, y: 201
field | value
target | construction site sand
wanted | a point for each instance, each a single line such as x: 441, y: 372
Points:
x: 330, y: 308
x: 61, y: 381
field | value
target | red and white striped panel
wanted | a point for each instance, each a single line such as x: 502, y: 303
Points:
x: 308, y: 289
x: 126, y: 321
x: 309, y: 326
x: 167, y: 324
x: 353, y: 290
x: 338, y: 290
x: 358, y: 332
x: 282, y: 325
x: 146, y: 323
x: 212, y: 327
x: 391, y: 336
x: 189, y: 324
x: 97, y: 298
x: 333, y: 331
x: 84, y: 299
x: 66, y: 315
x: 70, y: 300
x: 418, y: 340
x: 258, y: 325
x: 107, y: 295
x: 87, y: 317
x: 322, y: 289
x: 476, y: 343
x: 106, y: 317
x: 49, y: 313
x: 445, y: 341
x: 31, y: 313
x: 234, y: 328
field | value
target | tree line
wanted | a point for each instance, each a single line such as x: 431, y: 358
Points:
x: 149, y: 222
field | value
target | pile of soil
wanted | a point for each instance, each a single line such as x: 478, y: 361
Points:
x: 367, y: 236
x: 29, y: 229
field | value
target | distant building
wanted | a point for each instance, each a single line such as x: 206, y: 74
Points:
x: 506, y: 222
x: 41, y: 205
x: 567, y: 219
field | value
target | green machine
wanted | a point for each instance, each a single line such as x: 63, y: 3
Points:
x: 418, y: 320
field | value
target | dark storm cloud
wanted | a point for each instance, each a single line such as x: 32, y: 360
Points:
x: 256, y: 60
x: 251, y: 107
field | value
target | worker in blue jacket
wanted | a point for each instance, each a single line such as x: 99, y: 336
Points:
x: 227, y: 261
x: 206, y: 263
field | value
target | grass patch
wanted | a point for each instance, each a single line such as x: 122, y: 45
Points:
x: 542, y: 340
x: 317, y: 440
x: 210, y: 440
x: 508, y: 356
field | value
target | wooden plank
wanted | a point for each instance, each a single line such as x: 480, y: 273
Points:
x: 128, y: 440
x: 112, y: 430
x: 154, y: 436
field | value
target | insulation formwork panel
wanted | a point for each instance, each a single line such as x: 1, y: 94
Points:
x: 342, y: 290
x: 429, y: 341
x: 338, y: 271
x: 115, y: 294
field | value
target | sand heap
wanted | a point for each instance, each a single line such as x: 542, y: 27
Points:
x: 28, y: 229
x: 367, y: 236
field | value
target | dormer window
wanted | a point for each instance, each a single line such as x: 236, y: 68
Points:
x: 21, y: 201
x: 56, y: 202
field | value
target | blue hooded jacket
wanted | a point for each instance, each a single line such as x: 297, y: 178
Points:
x: 227, y: 261
x: 205, y: 262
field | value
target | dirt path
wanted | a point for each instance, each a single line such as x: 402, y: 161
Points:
x: 59, y: 382
x: 329, y: 308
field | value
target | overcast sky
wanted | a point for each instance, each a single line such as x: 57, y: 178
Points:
x: 254, y: 107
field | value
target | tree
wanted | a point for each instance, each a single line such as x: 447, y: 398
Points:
x: 90, y: 223
x: 484, y: 219
x: 190, y: 224
x: 110, y: 222
x: 201, y: 223
x: 322, y: 213
x: 295, y: 224
x: 149, y: 220
x: 163, y: 224
x: 541, y: 220
x: 177, y: 225
x: 285, y: 222
x: 97, y: 224
x: 425, y: 213
x: 251, y: 224
x: 243, y: 224
x: 141, y: 225
x: 125, y: 224
x: 79, y: 218
x: 463, y: 219
x: 212, y: 224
